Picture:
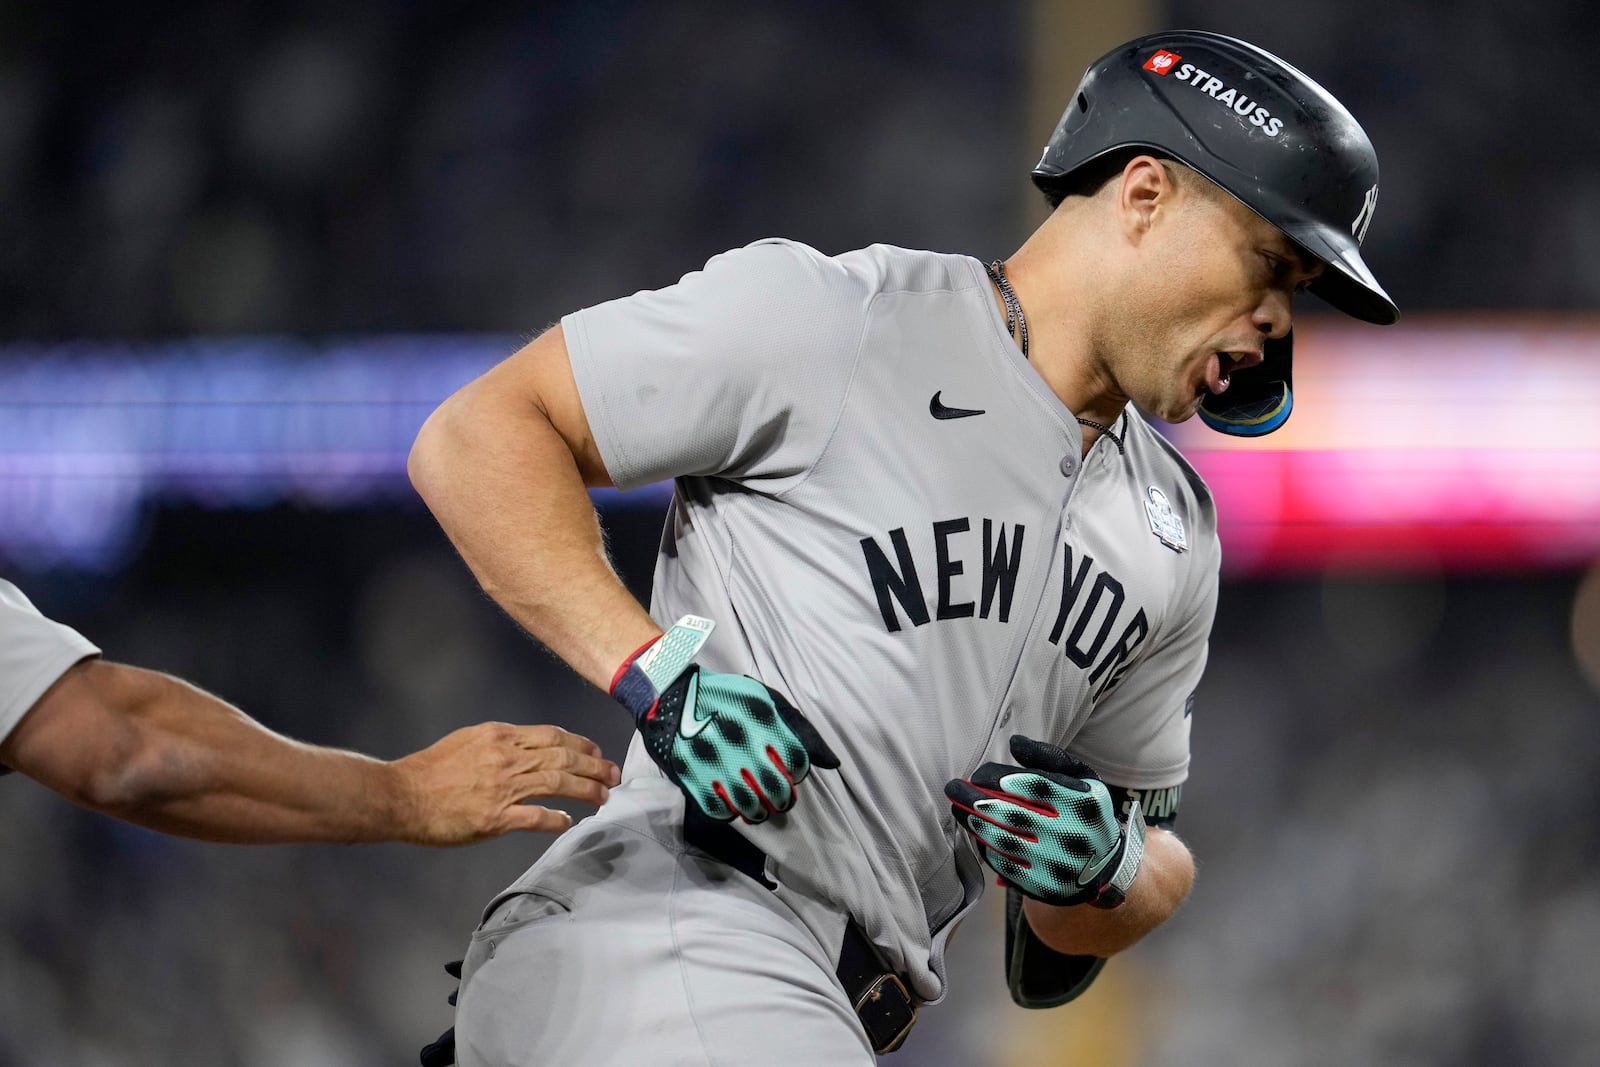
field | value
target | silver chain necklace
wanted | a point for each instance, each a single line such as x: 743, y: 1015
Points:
x: 1015, y: 320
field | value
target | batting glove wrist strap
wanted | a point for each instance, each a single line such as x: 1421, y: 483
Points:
x: 1048, y: 826
x: 1115, y: 891
x: 732, y: 744
x: 655, y: 665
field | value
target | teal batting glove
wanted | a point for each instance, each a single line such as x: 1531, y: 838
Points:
x: 733, y: 745
x: 1049, y: 826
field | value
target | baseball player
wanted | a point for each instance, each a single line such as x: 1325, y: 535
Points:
x: 153, y: 750
x: 933, y: 596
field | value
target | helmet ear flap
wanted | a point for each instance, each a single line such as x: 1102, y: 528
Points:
x: 1258, y: 400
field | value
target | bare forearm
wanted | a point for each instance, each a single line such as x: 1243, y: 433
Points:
x: 1163, y: 882
x: 156, y: 751
x: 300, y: 793
x: 506, y: 489
x: 153, y: 750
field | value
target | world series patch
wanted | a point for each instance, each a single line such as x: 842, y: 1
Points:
x: 1165, y: 523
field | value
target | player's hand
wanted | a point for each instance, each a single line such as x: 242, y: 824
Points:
x: 472, y: 784
x: 1049, y: 826
x: 734, y: 745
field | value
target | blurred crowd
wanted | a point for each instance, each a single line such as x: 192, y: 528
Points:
x: 1391, y: 778
x: 385, y: 165
x: 391, y: 165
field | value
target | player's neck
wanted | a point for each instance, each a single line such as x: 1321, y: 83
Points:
x: 1055, y: 278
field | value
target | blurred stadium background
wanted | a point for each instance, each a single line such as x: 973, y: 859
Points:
x: 245, y: 248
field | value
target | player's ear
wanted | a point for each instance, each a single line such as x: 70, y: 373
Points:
x: 1146, y: 186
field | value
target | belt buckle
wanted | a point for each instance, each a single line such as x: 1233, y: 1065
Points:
x: 887, y: 1013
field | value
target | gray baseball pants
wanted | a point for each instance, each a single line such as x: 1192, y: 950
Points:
x: 625, y: 946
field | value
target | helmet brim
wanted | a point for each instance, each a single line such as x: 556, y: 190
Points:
x: 1346, y: 282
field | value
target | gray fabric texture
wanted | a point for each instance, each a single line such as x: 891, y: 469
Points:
x: 623, y: 921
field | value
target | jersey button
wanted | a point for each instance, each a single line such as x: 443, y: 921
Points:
x: 1069, y: 465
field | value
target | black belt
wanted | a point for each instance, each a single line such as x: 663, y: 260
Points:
x: 881, y: 999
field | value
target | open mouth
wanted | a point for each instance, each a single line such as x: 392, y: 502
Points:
x: 1220, y: 369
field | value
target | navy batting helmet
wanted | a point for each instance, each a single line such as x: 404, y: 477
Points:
x: 1258, y: 128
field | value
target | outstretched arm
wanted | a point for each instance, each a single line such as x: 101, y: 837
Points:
x: 148, y: 748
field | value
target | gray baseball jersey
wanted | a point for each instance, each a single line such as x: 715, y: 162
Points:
x: 34, y: 652
x: 887, y: 513
x: 885, y: 509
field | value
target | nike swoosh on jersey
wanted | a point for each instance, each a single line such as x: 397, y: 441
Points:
x: 691, y: 723
x: 940, y: 411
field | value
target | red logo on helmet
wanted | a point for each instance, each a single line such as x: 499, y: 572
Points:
x: 1162, y: 62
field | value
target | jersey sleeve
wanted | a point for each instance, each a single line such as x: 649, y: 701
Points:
x: 34, y: 652
x: 1138, y: 734
x: 739, y: 370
